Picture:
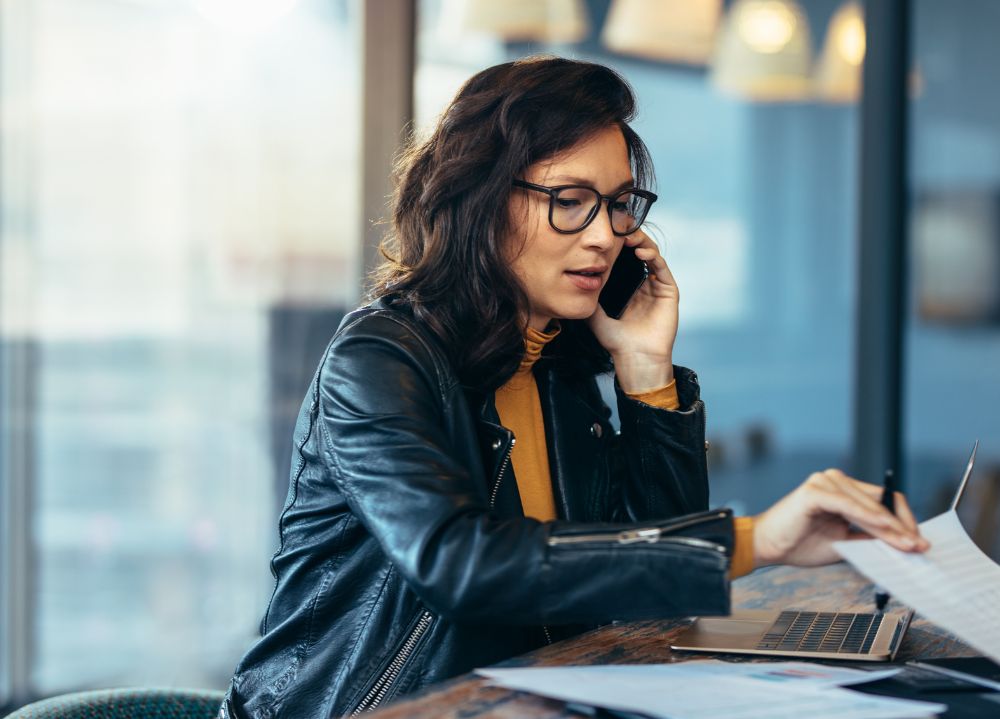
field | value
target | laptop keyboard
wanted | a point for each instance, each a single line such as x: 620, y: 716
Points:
x: 840, y: 632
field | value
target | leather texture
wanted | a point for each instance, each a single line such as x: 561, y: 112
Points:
x: 404, y: 557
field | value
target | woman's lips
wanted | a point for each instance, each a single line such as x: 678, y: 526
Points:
x: 586, y: 282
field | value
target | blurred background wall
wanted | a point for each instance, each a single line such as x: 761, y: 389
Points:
x: 189, y: 197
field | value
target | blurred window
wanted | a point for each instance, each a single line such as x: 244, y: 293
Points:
x: 178, y: 179
x: 952, y: 390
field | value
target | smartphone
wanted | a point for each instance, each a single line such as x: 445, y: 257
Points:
x: 627, y: 275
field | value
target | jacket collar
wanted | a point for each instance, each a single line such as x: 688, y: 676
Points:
x: 576, y: 432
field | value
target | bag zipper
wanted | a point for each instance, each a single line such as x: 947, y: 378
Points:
x: 646, y: 535
x: 381, y: 687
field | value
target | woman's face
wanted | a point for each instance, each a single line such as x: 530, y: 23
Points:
x: 562, y: 275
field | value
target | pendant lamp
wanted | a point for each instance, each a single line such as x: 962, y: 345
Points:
x: 556, y: 21
x: 764, y: 52
x: 838, y: 75
x: 668, y: 30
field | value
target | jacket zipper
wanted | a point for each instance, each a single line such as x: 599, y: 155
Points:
x: 388, y: 677
x: 381, y: 687
x: 493, y: 500
x: 647, y: 535
x: 503, y: 468
x: 704, y: 429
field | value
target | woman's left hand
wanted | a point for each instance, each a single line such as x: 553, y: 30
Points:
x: 641, y: 342
x: 801, y: 528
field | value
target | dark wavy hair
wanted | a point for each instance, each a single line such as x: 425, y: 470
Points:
x: 445, y: 255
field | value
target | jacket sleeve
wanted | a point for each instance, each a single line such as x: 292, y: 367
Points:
x: 658, y: 465
x: 385, y: 430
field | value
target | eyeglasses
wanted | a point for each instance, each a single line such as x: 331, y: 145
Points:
x: 573, y: 207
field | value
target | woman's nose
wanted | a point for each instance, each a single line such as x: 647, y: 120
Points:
x: 599, y: 233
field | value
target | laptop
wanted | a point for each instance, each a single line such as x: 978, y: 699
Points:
x: 853, y: 636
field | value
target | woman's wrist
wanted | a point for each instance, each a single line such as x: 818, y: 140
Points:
x: 770, y: 544
x: 637, y: 374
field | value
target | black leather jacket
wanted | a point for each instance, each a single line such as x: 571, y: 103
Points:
x: 404, y: 557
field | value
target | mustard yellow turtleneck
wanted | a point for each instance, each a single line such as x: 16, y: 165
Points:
x: 520, y: 410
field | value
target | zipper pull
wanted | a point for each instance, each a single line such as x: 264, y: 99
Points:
x: 631, y: 536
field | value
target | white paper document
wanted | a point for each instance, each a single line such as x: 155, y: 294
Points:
x: 953, y: 584
x: 799, y: 673
x: 709, y: 690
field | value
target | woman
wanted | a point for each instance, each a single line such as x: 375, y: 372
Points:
x: 419, y: 540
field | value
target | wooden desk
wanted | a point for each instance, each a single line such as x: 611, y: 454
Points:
x: 837, y: 587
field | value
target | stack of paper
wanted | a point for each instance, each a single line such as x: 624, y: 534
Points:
x: 712, y: 689
x: 953, y: 584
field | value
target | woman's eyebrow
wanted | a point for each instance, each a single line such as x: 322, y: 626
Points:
x: 588, y: 183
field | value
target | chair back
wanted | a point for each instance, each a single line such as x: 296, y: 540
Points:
x: 130, y: 703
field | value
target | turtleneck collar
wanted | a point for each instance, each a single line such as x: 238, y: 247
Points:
x: 534, y: 343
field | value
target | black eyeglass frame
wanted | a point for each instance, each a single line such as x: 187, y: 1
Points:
x: 553, y: 193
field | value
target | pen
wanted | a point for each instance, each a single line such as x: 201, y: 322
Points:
x: 889, y: 502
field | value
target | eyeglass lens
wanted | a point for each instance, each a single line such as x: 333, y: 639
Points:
x: 575, y: 207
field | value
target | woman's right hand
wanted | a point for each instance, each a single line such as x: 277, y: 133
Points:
x: 829, y: 507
